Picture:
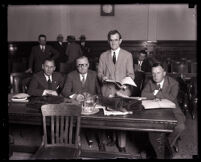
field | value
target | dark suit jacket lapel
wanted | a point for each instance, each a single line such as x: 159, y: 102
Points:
x: 110, y: 64
x: 42, y: 80
x: 165, y: 84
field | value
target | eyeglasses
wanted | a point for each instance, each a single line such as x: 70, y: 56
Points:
x: 82, y: 65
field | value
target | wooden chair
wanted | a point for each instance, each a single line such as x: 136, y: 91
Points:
x: 61, y: 138
x: 19, y: 82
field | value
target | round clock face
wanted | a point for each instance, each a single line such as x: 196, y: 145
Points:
x: 107, y: 8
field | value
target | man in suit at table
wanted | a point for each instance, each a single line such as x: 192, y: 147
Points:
x: 46, y: 82
x: 164, y: 87
x: 80, y: 81
x: 60, y: 46
x: 115, y: 64
x: 141, y: 65
x: 39, y: 53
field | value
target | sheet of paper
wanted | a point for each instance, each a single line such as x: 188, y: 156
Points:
x: 153, y: 104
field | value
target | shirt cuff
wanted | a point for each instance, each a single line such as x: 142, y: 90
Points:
x: 44, y: 93
x: 155, y: 92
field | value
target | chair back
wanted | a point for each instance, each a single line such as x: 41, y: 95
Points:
x: 19, y: 82
x: 64, y: 129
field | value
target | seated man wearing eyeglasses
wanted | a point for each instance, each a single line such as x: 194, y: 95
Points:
x: 80, y: 81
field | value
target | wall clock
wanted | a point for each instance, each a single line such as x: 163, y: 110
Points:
x: 107, y: 10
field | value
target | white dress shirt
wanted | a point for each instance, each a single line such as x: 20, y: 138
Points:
x: 161, y: 86
x: 116, y: 53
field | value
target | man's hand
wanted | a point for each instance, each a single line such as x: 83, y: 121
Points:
x: 29, y: 70
x: 50, y: 92
x: 104, y: 78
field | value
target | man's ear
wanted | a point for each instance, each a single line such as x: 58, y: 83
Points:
x: 120, y: 41
x: 42, y: 66
x: 164, y: 73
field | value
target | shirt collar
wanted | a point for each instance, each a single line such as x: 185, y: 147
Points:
x: 85, y: 76
x: 116, y: 52
x: 161, y: 83
x: 47, y: 77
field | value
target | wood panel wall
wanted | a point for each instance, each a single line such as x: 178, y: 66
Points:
x: 174, y: 50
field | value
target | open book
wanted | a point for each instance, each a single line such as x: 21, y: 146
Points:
x: 125, y: 81
x: 154, y: 104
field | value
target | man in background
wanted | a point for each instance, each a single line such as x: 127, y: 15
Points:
x: 60, y: 46
x: 72, y: 52
x: 141, y: 65
x: 39, y: 53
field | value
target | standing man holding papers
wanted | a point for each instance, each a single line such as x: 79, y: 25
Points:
x: 115, y: 64
x: 164, y: 87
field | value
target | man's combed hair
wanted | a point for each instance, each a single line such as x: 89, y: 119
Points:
x: 112, y: 32
x: 41, y: 35
x: 49, y: 59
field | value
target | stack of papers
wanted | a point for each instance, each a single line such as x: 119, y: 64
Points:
x: 154, y: 104
x: 20, y: 97
x: 112, y: 112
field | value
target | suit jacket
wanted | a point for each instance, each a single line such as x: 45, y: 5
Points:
x: 37, y: 57
x: 123, y: 68
x: 146, y: 67
x: 73, y: 84
x: 169, y: 91
x: 62, y: 51
x: 38, y: 83
x: 73, y: 51
x: 85, y: 49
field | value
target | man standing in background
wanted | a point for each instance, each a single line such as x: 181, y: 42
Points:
x: 60, y: 46
x: 39, y: 53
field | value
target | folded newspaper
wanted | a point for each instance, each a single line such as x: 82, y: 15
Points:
x: 109, y: 112
x: 20, y: 97
x: 156, y: 103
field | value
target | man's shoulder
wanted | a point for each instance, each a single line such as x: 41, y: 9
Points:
x: 125, y: 51
x: 72, y: 73
x: 38, y: 74
x: 105, y: 53
x: 171, y: 80
x: 92, y: 72
x: 57, y: 74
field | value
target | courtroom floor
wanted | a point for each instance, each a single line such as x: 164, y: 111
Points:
x: 188, y: 146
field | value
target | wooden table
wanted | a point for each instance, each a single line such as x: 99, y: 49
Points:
x: 159, y: 120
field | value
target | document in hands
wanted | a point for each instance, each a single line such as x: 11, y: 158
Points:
x: 125, y: 81
x: 154, y: 104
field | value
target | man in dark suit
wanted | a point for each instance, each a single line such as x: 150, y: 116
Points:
x: 60, y: 46
x: 72, y: 52
x: 115, y: 64
x: 80, y: 81
x: 46, y: 82
x: 83, y: 45
x: 164, y: 87
x: 39, y: 53
x: 141, y: 65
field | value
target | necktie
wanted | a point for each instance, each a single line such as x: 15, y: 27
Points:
x: 43, y: 48
x: 49, y: 83
x: 114, y: 57
x: 157, y: 86
x: 83, y: 80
